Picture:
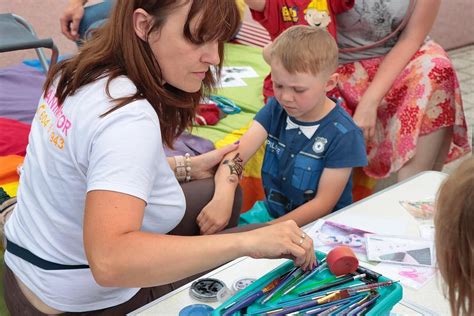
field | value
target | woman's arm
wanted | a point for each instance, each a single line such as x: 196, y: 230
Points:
x: 412, y: 37
x: 257, y: 5
x: 330, y: 187
x: 203, y: 166
x: 120, y: 255
x: 215, y: 216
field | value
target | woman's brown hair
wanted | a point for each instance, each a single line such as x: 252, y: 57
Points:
x: 116, y: 50
x: 454, y: 227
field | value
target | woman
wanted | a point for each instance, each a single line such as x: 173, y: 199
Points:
x: 97, y: 195
x: 402, y: 90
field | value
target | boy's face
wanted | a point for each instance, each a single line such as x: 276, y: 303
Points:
x: 302, y: 95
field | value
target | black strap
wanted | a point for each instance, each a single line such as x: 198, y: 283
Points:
x: 37, y: 261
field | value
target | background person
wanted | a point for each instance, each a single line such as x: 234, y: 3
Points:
x: 403, y: 92
x: 454, y: 237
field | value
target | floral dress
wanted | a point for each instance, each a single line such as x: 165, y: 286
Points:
x: 424, y: 98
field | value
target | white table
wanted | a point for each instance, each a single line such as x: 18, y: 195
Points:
x: 379, y: 213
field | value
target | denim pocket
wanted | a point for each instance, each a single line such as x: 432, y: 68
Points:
x: 306, y: 172
x: 272, y: 154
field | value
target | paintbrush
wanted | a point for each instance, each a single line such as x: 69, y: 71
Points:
x: 333, y: 284
x: 356, y: 301
x: 367, y: 287
x: 248, y: 300
x: 277, y: 307
x: 295, y: 273
x: 336, y: 296
x: 349, y: 291
x: 368, y: 302
x: 322, y: 266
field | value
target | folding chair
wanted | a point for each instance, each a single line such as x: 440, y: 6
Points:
x: 17, y: 34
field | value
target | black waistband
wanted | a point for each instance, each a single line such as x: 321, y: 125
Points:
x: 37, y: 261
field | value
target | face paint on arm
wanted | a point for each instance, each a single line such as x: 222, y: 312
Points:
x: 236, y: 168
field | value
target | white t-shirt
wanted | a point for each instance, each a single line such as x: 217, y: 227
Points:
x: 71, y: 151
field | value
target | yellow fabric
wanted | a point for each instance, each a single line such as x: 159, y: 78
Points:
x: 8, y: 165
x: 10, y: 188
x: 241, y: 5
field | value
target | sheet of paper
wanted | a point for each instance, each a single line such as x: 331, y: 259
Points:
x: 427, y: 231
x: 421, y: 210
x: 411, y: 276
x: 326, y: 235
x: 239, y: 71
x: 401, y: 250
x: 230, y: 81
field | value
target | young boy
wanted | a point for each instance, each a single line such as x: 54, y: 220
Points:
x: 454, y: 237
x: 312, y: 144
x: 278, y: 15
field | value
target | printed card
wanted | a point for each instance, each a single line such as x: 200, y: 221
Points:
x: 400, y: 250
x: 327, y: 235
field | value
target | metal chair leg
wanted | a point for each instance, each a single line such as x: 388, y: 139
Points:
x: 39, y: 51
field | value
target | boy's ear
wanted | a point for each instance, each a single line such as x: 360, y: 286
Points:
x: 141, y: 23
x: 332, y: 81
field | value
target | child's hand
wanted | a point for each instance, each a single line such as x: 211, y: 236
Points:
x: 215, y: 216
x: 282, y: 240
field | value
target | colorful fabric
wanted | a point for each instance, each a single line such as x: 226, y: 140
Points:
x: 252, y: 34
x: 8, y: 169
x: 257, y: 214
x: 13, y: 137
x: 298, y: 152
x: 280, y: 15
x: 424, y: 98
x: 20, y: 90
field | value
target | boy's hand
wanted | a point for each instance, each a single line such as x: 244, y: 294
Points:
x: 215, y: 216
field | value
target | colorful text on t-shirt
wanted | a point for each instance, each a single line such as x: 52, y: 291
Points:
x: 52, y: 118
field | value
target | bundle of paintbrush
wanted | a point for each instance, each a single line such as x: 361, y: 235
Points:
x: 271, y: 287
x: 321, y: 291
x: 345, y: 298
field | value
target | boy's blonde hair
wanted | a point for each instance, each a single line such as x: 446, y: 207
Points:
x: 306, y: 49
x: 454, y: 227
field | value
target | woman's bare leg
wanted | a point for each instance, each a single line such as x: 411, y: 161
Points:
x: 431, y: 153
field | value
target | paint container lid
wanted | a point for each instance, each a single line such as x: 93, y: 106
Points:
x: 196, y: 310
x: 242, y: 283
x: 206, y: 289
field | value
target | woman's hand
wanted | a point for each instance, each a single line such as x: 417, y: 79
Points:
x: 203, y: 166
x: 282, y: 240
x: 215, y: 216
x: 365, y: 117
x: 71, y: 18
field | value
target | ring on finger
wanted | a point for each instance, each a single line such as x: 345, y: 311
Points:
x: 303, y: 235
x: 301, y: 241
